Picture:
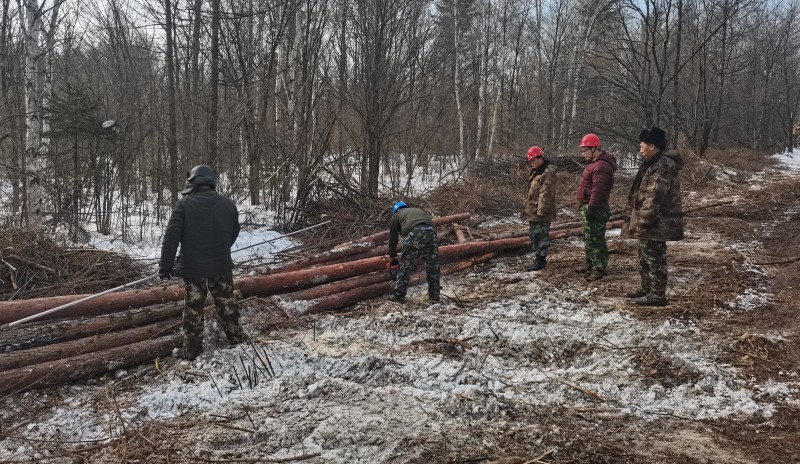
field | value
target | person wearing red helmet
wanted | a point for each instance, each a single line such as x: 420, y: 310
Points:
x: 594, y: 191
x: 539, y: 206
x: 654, y: 215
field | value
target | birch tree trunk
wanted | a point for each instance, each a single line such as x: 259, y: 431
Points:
x: 34, y: 161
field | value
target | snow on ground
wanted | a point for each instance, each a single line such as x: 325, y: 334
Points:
x: 788, y: 160
x: 254, y: 246
x: 386, y: 378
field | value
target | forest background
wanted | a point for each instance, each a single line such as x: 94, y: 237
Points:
x: 106, y: 104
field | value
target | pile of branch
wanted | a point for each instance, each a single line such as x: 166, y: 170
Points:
x: 33, y: 264
x: 109, y: 332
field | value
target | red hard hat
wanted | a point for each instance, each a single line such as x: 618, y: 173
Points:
x: 590, y: 140
x: 533, y: 152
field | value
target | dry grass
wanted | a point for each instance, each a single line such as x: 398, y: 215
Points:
x: 32, y: 264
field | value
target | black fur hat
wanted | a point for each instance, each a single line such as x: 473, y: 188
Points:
x: 655, y: 136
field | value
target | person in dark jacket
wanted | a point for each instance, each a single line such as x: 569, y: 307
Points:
x: 205, y: 224
x: 594, y: 191
x: 539, y: 206
x: 654, y: 214
x: 420, y: 240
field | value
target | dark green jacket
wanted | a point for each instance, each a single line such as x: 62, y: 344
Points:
x: 403, y: 221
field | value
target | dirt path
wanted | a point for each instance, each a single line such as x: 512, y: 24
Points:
x: 736, y: 278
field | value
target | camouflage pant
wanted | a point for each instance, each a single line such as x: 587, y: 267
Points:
x: 653, y: 266
x: 594, y: 238
x: 540, y: 238
x: 421, y: 241
x: 221, y: 288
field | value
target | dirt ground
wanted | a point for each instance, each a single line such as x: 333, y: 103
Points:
x: 512, y: 367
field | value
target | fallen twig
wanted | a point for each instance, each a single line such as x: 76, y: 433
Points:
x: 790, y: 260
x: 583, y: 390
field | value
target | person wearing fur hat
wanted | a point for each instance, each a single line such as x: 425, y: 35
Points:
x: 539, y: 206
x: 654, y: 215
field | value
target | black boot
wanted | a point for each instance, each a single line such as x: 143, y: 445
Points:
x: 651, y: 299
x: 190, y: 350
x: 538, y: 265
x: 583, y: 269
x: 638, y: 293
x: 596, y: 274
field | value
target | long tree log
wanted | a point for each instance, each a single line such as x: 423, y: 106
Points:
x: 327, y: 257
x: 372, y: 279
x: 351, y: 297
x: 340, y: 286
x: 22, y: 358
x: 45, y: 333
x: 578, y: 231
x: 384, y: 235
x: 272, y: 284
x: 11, y: 311
x: 86, y: 365
x: 357, y: 250
x: 523, y: 231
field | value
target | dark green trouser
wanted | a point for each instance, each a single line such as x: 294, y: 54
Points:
x: 594, y: 238
x: 221, y: 288
x: 420, y: 241
x: 653, y: 266
x: 540, y: 238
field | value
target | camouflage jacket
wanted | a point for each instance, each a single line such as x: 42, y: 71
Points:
x: 540, y: 201
x: 654, y: 202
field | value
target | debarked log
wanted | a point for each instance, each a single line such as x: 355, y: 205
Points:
x: 351, y: 297
x: 327, y: 257
x: 372, y: 279
x: 267, y: 285
x: 44, y: 333
x: 556, y: 226
x: 86, y: 365
x: 340, y: 286
x: 375, y: 251
x: 11, y: 311
x: 578, y: 231
x: 42, y: 354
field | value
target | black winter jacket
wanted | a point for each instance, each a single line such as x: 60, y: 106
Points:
x: 205, y: 224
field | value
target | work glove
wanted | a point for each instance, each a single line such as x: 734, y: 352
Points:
x: 593, y: 213
x: 165, y: 274
x: 393, y: 267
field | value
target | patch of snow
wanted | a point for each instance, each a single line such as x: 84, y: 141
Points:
x: 788, y: 160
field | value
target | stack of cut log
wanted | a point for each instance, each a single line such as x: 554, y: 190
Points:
x: 118, y: 329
